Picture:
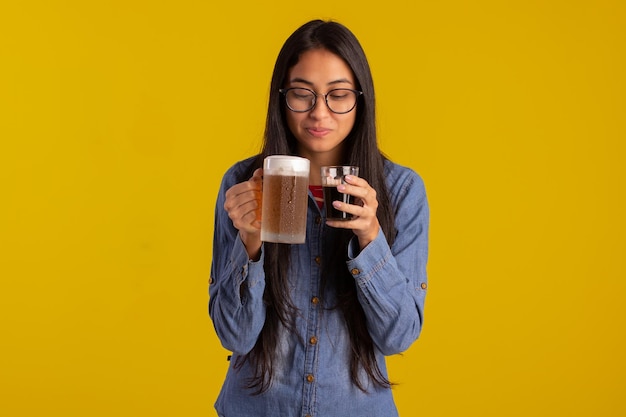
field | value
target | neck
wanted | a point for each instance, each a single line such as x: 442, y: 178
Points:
x: 318, y: 160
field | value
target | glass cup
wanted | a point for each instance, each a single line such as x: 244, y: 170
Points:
x: 285, y: 199
x: 332, y: 176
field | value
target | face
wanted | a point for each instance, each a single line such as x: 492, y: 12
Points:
x: 320, y: 133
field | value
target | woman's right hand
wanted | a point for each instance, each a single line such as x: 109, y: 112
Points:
x: 243, y: 205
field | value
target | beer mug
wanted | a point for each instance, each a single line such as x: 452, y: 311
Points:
x: 285, y: 199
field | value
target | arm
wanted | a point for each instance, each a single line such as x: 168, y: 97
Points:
x: 391, y: 282
x: 237, y: 282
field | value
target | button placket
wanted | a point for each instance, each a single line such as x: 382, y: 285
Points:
x: 309, y: 374
x: 315, y: 233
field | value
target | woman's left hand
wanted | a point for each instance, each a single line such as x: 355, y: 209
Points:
x: 364, y: 222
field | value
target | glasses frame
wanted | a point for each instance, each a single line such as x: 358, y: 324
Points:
x: 284, y: 92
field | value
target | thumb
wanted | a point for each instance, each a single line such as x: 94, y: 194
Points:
x: 257, y: 176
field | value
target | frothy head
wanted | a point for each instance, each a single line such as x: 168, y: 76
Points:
x: 286, y: 165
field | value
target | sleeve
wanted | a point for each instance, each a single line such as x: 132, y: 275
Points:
x: 391, y: 282
x: 236, y: 284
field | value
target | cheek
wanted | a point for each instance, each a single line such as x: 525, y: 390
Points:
x: 349, y: 122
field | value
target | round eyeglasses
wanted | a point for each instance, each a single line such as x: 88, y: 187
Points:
x: 338, y: 100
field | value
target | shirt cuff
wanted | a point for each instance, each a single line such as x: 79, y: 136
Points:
x: 372, y: 263
x: 252, y: 271
x: 375, y: 253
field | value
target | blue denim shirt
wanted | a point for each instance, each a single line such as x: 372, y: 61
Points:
x: 312, y: 375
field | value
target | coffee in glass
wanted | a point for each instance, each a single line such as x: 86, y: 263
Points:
x: 332, y: 176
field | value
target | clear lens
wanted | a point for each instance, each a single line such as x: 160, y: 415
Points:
x: 339, y: 100
x: 300, y: 99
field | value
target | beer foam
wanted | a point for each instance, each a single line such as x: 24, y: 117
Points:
x: 286, y: 165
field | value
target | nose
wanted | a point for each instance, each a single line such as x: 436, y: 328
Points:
x: 320, y: 109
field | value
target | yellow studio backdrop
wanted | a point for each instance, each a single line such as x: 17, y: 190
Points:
x: 118, y: 119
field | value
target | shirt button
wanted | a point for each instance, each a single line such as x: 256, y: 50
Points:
x: 315, y: 300
x: 318, y: 220
x: 313, y: 340
x: 424, y: 286
x: 318, y: 260
x: 211, y: 280
x: 355, y: 271
x: 310, y: 378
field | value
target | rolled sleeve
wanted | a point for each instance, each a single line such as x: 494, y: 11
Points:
x: 391, y: 281
x: 237, y: 284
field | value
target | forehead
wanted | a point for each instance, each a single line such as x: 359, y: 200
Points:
x: 320, y: 67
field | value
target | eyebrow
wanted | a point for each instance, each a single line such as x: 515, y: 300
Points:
x: 302, y: 80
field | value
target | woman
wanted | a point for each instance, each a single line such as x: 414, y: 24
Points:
x: 309, y: 325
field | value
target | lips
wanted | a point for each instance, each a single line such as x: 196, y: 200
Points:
x: 318, y: 132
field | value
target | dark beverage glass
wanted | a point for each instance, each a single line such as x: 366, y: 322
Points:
x: 332, y: 176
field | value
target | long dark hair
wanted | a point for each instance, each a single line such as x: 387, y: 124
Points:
x: 360, y: 149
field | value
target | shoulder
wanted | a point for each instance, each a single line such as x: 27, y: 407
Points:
x: 402, y: 180
x: 237, y: 172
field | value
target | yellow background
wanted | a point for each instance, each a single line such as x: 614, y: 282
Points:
x: 118, y: 119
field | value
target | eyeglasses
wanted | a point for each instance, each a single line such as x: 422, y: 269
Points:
x: 338, y: 100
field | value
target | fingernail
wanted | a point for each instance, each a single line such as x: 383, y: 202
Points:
x: 341, y: 187
x: 336, y: 204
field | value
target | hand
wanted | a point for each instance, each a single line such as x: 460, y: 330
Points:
x: 243, y: 205
x: 364, y: 222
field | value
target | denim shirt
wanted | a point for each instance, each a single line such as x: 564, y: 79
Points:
x: 312, y: 370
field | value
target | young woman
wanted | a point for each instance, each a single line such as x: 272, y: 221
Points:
x: 310, y: 325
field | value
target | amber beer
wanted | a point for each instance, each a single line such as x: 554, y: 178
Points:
x: 285, y: 199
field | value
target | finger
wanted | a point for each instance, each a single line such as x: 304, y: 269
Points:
x: 238, y: 189
x: 246, y: 215
x: 366, y: 193
x: 341, y: 224
x: 235, y: 197
x: 250, y: 222
x: 354, y: 180
x: 238, y: 205
x: 356, y: 211
x: 256, y: 181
